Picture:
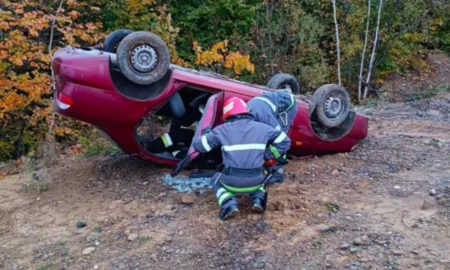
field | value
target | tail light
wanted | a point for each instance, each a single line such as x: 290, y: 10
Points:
x: 63, y: 102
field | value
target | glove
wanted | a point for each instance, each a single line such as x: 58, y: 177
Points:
x: 282, y: 160
x: 269, y: 162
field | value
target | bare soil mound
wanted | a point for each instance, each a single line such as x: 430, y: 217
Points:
x: 385, y: 205
x: 401, y: 87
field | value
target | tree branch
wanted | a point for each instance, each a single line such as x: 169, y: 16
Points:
x: 337, y: 42
x: 52, y: 122
x: 52, y: 27
x: 364, y: 51
x: 372, y: 57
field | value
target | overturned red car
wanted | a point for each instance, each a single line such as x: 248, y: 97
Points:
x: 129, y: 90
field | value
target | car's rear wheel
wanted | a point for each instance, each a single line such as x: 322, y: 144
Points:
x: 284, y: 81
x: 113, y: 40
x: 331, y: 103
x: 143, y: 57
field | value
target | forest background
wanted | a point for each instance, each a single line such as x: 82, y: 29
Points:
x: 246, y: 39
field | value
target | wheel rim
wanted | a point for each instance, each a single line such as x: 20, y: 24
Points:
x: 333, y: 107
x: 144, y: 58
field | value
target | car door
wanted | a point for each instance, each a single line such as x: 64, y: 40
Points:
x: 210, y: 118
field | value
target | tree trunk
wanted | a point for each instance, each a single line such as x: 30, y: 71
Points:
x: 364, y: 51
x: 337, y: 42
x: 52, y: 122
x: 269, y: 10
x: 372, y: 57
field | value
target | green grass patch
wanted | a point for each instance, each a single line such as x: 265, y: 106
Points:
x: 333, y: 207
x: 98, y: 146
x: 143, y: 239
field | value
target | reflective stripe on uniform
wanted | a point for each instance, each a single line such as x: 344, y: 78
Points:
x: 274, y: 108
x: 241, y: 189
x: 167, y: 141
x: 280, y: 138
x: 249, y: 146
x: 274, y: 151
x: 220, y: 191
x: 224, y: 196
x: 205, y: 143
x: 292, y: 103
x: 175, y: 153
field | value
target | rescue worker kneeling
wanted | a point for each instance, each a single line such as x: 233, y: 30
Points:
x: 278, y: 110
x: 243, y: 141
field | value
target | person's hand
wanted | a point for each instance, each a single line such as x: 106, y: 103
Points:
x: 282, y: 160
x: 269, y: 162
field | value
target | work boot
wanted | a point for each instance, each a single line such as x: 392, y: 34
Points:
x: 257, y: 205
x: 229, y: 212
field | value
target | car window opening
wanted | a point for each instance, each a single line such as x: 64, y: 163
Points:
x: 168, y: 132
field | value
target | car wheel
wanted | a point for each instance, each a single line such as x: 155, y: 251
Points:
x: 143, y: 57
x: 331, y: 103
x: 284, y: 81
x: 113, y: 40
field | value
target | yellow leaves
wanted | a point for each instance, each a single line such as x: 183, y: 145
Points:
x: 11, y: 100
x: 414, y: 37
x: 211, y: 56
x: 135, y: 6
x: 239, y: 62
x: 220, y: 56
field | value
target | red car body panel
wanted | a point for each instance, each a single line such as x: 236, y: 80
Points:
x: 85, y: 78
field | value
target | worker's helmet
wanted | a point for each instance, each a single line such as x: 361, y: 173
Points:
x: 234, y: 106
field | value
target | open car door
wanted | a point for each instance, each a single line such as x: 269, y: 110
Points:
x: 211, y: 117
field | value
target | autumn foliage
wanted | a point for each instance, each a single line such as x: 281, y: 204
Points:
x: 219, y: 57
x: 248, y: 39
x: 25, y: 78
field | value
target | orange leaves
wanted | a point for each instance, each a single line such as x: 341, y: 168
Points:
x: 74, y: 14
x: 219, y: 55
x: 4, y: 25
x: 25, y: 81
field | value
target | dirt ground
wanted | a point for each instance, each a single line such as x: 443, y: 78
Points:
x: 390, y: 196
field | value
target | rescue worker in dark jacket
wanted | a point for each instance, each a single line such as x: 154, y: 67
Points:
x: 276, y: 109
x: 243, y: 141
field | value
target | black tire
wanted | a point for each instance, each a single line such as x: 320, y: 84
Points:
x: 113, y: 40
x: 331, y: 103
x: 143, y: 57
x: 281, y: 80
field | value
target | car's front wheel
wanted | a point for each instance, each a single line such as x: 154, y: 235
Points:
x: 284, y: 81
x: 331, y: 103
x: 113, y: 40
x: 143, y: 57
